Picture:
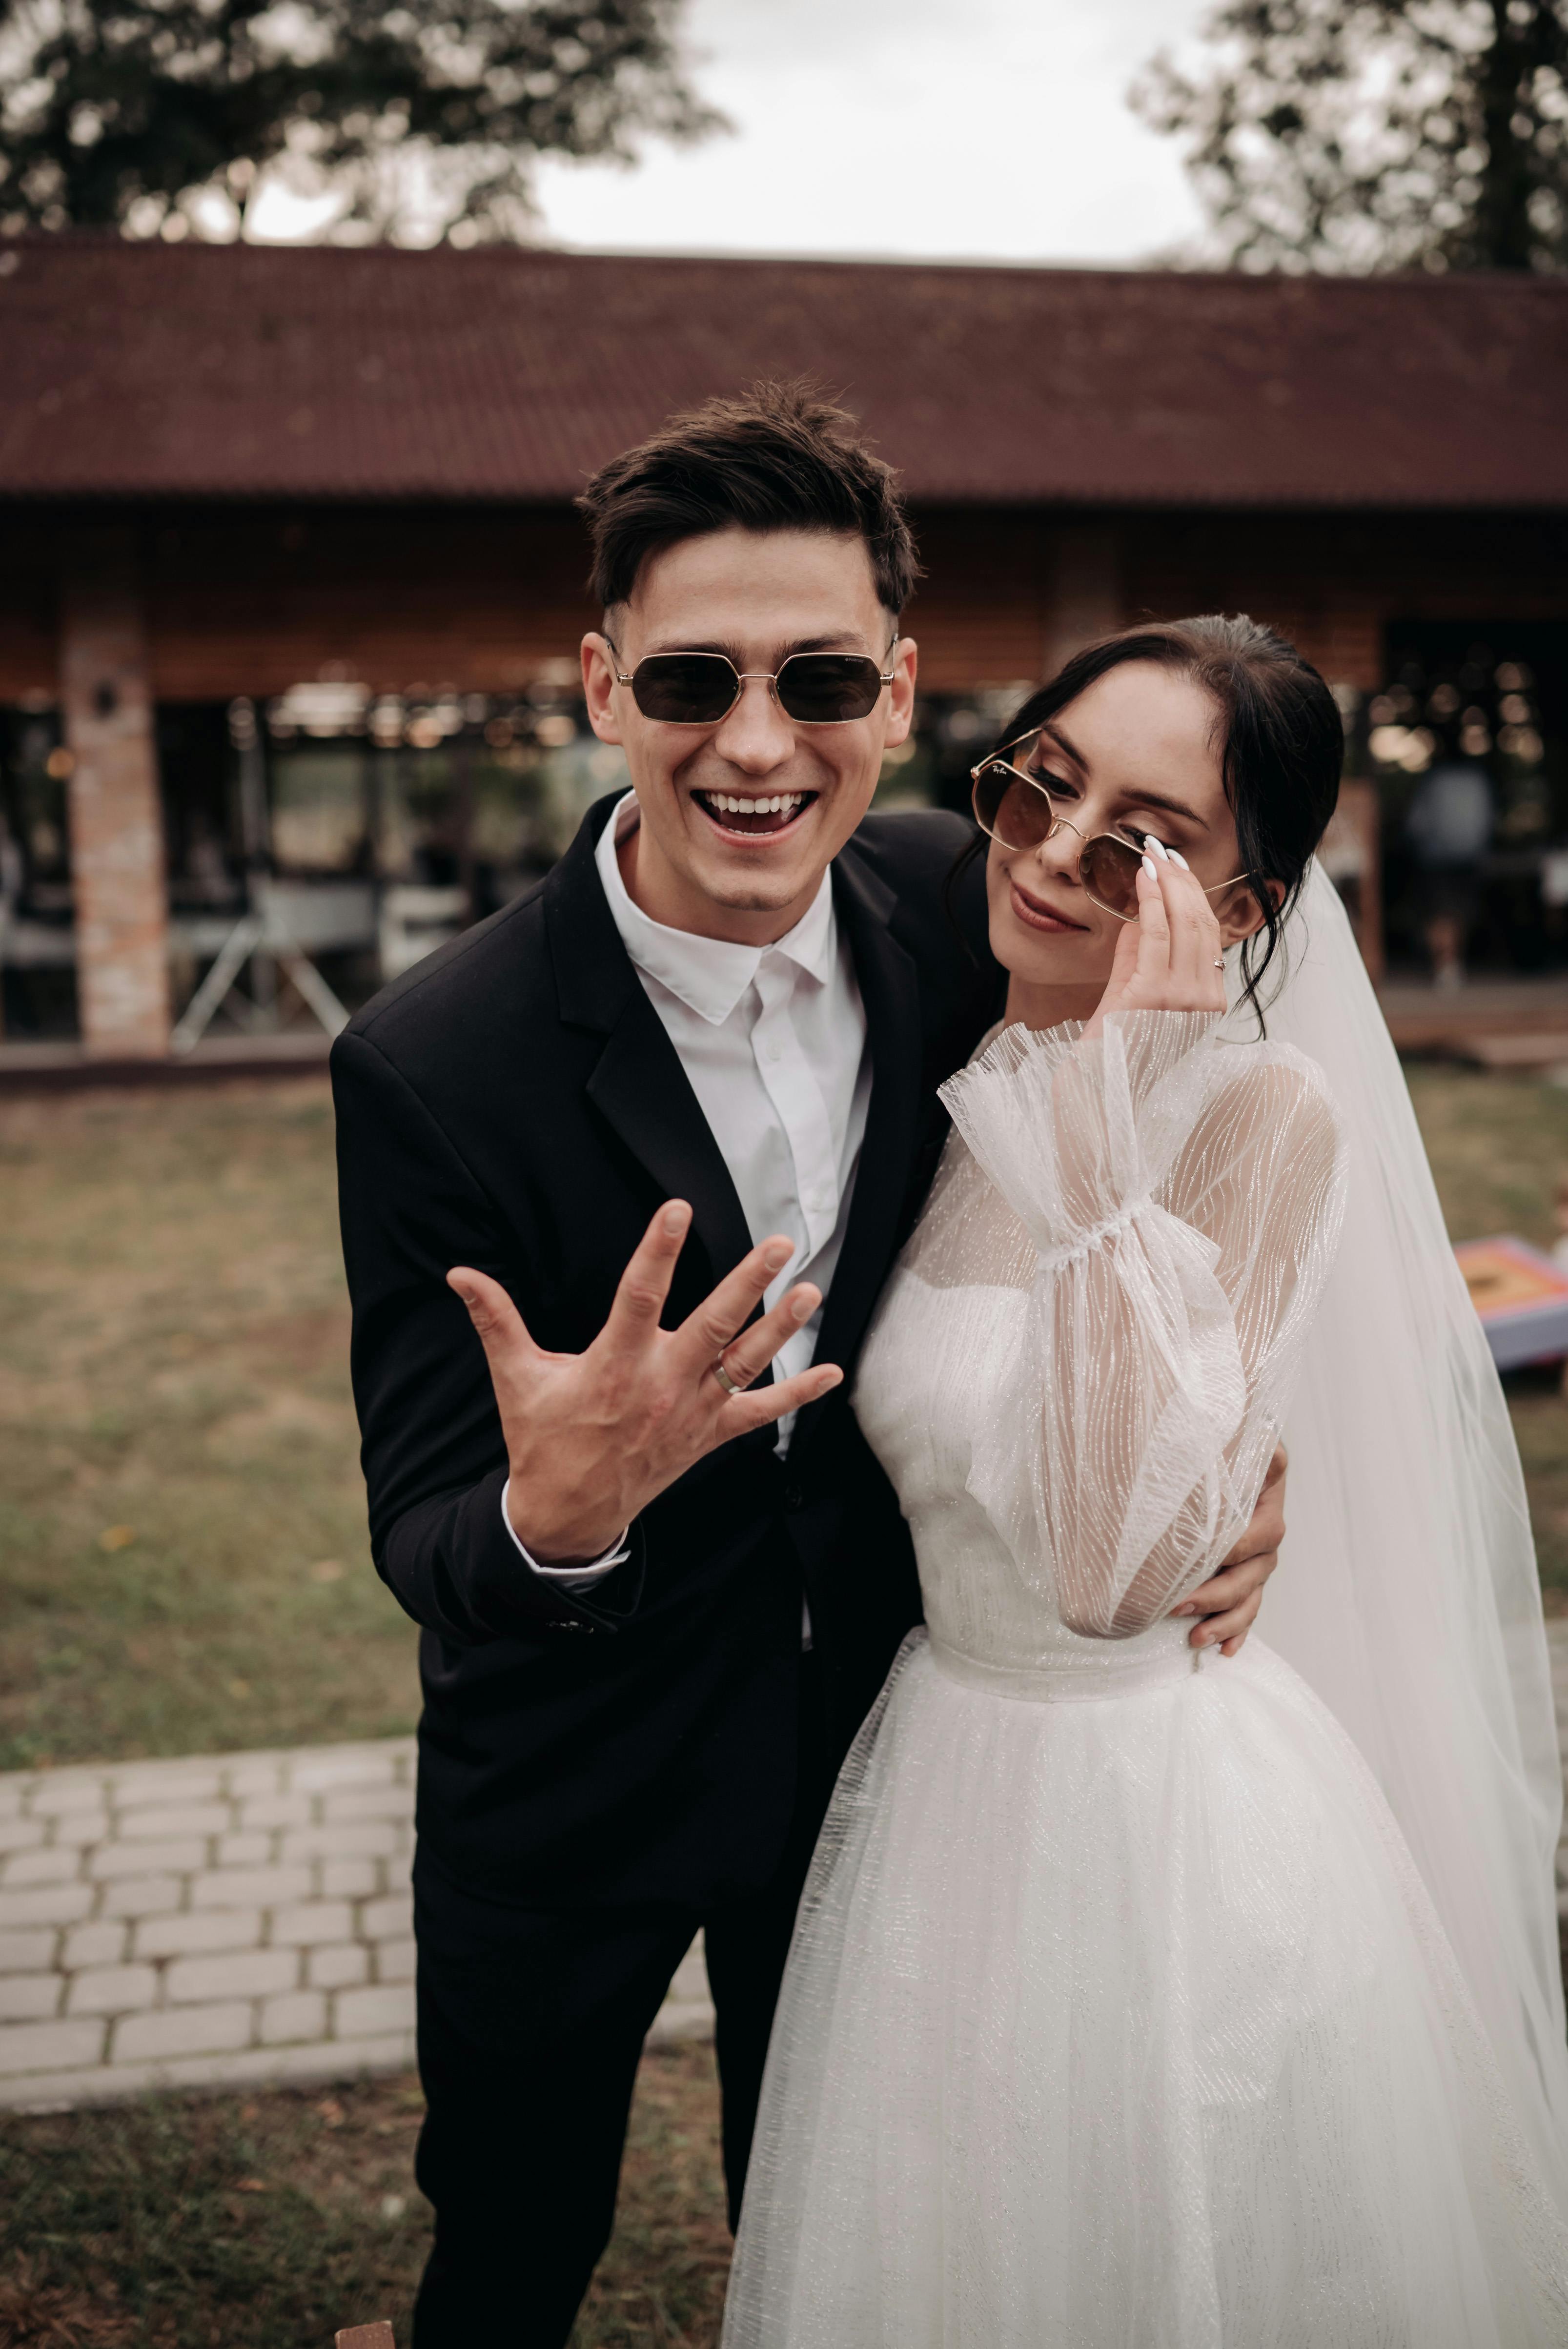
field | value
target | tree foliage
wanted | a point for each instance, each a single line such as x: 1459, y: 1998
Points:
x: 1377, y: 134
x: 420, y: 117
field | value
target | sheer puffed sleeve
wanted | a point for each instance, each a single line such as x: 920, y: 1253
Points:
x: 1183, y: 1195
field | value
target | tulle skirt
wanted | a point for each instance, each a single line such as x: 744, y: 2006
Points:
x: 1127, y: 2024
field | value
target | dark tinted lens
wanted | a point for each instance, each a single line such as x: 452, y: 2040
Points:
x: 826, y: 689
x: 1011, y: 810
x: 685, y: 689
x: 1109, y: 871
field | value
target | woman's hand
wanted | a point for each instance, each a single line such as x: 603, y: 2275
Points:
x: 1168, y: 959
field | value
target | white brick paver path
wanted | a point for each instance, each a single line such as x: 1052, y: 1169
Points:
x: 238, y: 1918
x: 233, y: 1918
x: 225, y: 1919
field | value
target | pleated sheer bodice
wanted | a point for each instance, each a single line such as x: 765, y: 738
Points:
x: 1077, y: 1372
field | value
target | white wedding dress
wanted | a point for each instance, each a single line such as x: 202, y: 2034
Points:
x: 1118, y: 2016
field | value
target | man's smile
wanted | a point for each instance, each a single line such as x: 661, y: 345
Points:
x: 754, y: 815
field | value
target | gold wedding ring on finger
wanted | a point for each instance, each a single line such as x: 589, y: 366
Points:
x: 731, y: 1386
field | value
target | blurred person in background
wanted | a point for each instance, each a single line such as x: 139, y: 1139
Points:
x: 1448, y: 825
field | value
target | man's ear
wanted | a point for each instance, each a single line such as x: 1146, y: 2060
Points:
x: 599, y: 686
x: 1239, y: 913
x: 901, y: 693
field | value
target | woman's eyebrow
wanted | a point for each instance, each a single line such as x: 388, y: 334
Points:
x: 1069, y: 750
x: 1170, y: 807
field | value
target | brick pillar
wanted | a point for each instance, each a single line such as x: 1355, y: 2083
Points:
x: 1084, y: 590
x: 116, y: 822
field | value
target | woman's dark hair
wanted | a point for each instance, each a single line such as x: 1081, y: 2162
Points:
x: 1284, y: 744
x: 781, y: 457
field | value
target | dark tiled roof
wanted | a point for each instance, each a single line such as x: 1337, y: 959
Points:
x: 242, y: 371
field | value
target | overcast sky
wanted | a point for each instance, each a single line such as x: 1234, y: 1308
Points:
x: 963, y: 127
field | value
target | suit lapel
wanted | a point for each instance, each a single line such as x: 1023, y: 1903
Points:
x: 637, y: 1084
x: 890, y: 991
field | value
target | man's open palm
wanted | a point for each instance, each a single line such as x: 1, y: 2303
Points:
x: 593, y: 1438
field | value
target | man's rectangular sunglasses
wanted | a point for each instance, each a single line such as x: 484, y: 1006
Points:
x: 699, y: 688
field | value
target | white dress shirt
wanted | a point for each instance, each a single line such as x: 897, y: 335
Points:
x: 773, y: 1042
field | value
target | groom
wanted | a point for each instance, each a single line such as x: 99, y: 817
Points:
x: 613, y: 1469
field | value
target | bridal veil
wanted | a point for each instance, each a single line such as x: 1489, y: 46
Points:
x: 1408, y: 1594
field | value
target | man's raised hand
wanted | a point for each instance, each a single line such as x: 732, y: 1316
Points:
x: 593, y: 1438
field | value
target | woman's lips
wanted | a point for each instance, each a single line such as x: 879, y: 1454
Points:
x: 1036, y: 915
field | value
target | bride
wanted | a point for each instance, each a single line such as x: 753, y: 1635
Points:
x: 1131, y: 2002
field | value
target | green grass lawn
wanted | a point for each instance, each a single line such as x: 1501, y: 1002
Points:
x: 183, y: 1565
x: 266, y: 2221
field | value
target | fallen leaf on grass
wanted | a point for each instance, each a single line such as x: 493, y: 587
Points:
x: 326, y: 1570
x: 115, y: 1538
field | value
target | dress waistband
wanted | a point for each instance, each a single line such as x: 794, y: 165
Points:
x: 1093, y: 1679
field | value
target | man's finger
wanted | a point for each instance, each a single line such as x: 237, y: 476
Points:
x: 705, y: 1333
x: 643, y: 1288
x: 746, y: 1357
x: 1232, y: 1626
x: 499, y: 1326
x: 744, y: 1413
x: 1237, y: 1579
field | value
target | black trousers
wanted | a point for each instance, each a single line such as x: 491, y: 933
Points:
x: 531, y: 2026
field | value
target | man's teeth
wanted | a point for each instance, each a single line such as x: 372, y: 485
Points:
x: 784, y: 803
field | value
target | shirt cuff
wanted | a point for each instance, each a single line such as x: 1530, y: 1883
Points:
x: 571, y: 1579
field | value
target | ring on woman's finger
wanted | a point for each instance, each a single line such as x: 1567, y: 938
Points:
x: 731, y: 1386
x: 1219, y: 962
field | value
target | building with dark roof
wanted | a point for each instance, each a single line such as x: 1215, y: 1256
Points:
x: 293, y: 586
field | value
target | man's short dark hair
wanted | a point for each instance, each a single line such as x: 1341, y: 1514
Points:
x: 781, y: 457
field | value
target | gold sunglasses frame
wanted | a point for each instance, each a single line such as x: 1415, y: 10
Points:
x: 1059, y: 822
x: 741, y: 675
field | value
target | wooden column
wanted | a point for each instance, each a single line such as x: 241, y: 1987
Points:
x: 1083, y: 590
x: 115, y: 819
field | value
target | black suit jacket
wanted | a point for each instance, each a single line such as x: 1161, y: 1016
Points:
x: 515, y: 1103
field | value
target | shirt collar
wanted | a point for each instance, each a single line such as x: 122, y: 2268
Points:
x: 709, y: 974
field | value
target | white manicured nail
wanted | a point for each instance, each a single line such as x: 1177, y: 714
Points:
x: 1149, y: 867
x: 1177, y: 858
x: 1155, y: 847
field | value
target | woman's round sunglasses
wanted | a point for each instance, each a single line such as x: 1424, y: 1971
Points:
x: 699, y: 688
x: 1016, y: 809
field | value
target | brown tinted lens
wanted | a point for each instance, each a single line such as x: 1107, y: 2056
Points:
x: 685, y: 689
x: 1109, y: 871
x: 828, y: 688
x: 1011, y: 810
